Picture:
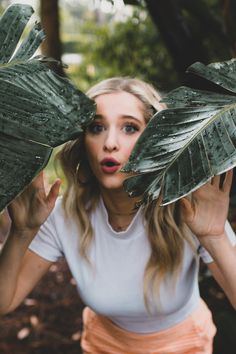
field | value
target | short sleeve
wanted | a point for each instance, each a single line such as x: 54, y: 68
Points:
x: 46, y: 243
x: 231, y: 236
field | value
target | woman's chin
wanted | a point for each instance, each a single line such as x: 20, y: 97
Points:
x: 112, y: 186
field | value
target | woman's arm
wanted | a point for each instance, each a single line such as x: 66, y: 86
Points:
x: 21, y: 269
x: 18, y: 275
x: 224, y: 271
x: 206, y: 215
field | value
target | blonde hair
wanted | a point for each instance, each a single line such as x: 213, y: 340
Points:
x: 166, y: 232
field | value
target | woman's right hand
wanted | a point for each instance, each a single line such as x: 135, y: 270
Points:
x: 30, y: 209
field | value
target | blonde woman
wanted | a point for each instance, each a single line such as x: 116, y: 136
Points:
x: 136, y: 269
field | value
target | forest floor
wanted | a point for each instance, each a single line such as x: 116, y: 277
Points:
x: 49, y: 321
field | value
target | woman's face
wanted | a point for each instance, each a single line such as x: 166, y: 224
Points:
x: 110, y: 138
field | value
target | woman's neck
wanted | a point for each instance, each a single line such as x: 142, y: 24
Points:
x: 120, y: 209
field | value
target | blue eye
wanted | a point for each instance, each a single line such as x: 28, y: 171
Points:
x: 130, y: 128
x: 95, y: 128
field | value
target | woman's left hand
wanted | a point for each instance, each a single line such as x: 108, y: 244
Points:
x: 207, y: 211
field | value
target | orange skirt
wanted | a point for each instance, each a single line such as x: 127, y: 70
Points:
x: 194, y: 335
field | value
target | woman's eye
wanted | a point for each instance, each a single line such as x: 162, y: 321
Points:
x: 130, y: 128
x: 95, y: 128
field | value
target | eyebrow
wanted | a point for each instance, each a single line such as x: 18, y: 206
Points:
x: 126, y: 116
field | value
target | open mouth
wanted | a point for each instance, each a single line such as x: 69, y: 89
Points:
x: 110, y: 165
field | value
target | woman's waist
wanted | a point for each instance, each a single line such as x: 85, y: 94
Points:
x: 150, y: 322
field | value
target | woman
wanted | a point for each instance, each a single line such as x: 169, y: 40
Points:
x: 135, y: 269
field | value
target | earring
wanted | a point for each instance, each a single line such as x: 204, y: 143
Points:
x: 82, y: 171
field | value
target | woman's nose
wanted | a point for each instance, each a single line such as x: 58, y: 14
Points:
x: 111, y: 141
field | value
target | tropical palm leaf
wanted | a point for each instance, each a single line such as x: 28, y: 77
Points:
x: 185, y: 145
x: 39, y: 109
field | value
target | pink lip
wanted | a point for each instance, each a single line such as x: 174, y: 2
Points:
x: 106, y: 168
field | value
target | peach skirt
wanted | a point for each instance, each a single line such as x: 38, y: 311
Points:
x: 194, y: 335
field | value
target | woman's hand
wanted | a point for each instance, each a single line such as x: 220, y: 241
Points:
x: 31, y: 208
x: 207, y: 212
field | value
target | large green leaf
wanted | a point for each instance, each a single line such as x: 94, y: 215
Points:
x: 185, y: 145
x: 39, y: 110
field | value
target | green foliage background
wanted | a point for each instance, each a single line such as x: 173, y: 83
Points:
x: 109, y: 47
x: 132, y: 45
x: 131, y: 48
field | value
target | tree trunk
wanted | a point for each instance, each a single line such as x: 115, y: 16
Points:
x: 229, y: 10
x: 51, y: 47
x: 184, y: 48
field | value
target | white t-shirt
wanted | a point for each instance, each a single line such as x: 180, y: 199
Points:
x: 113, y: 285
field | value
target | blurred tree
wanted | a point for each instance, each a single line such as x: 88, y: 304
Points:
x: 175, y: 31
x: 132, y: 48
x: 51, y: 47
x: 202, y: 30
x: 181, y: 32
x: 229, y: 11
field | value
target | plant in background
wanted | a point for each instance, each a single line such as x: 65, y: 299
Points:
x: 131, y: 47
x: 187, y: 144
x: 39, y: 110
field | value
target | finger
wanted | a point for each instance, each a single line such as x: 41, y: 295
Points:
x: 53, y: 193
x: 228, y: 181
x: 187, y: 209
x: 38, y: 181
x: 215, y: 181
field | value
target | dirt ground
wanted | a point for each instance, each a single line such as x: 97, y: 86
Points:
x: 49, y: 321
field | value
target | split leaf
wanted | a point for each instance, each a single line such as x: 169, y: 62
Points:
x: 188, y: 143
x: 39, y: 110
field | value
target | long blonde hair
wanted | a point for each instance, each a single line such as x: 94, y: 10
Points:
x: 166, y: 232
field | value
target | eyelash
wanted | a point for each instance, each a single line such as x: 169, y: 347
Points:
x: 131, y: 125
x: 96, y: 128
x: 92, y: 128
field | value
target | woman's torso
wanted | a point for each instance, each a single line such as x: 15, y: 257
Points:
x: 113, y: 284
